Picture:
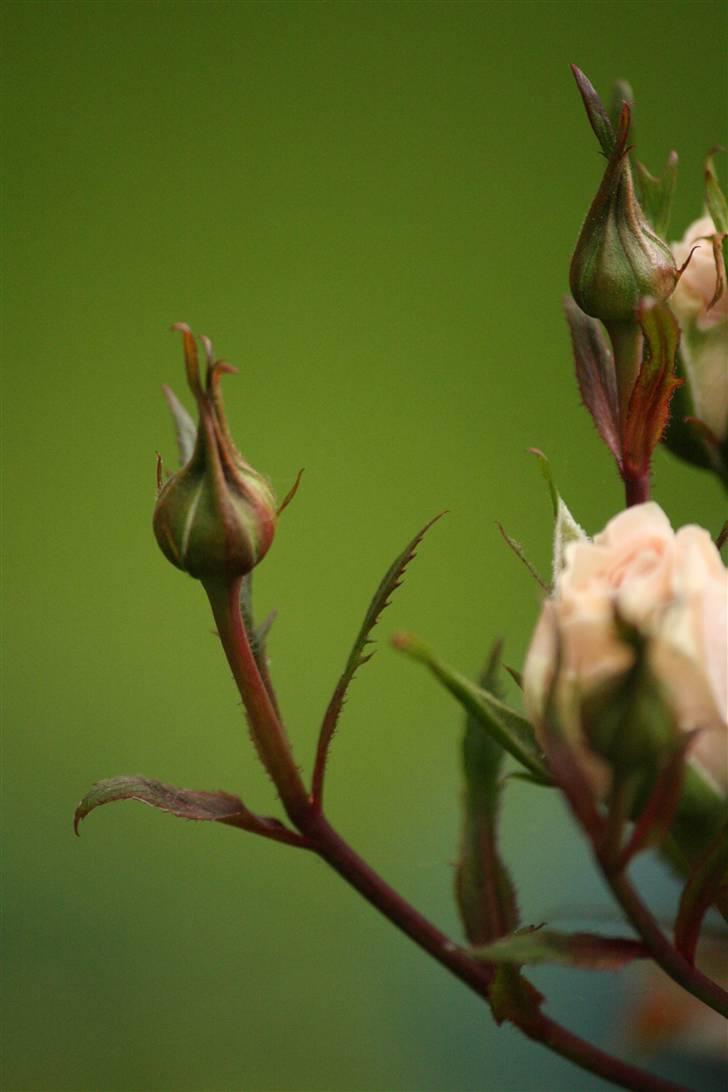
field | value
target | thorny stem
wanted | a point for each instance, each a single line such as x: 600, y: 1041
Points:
x: 274, y: 749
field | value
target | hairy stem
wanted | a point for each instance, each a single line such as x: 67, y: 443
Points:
x: 637, y: 490
x: 275, y: 752
x: 266, y: 729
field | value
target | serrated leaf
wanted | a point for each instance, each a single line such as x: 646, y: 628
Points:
x: 483, y: 887
x: 216, y: 807
x: 707, y: 881
x: 358, y: 655
x: 595, y: 374
x: 185, y: 428
x: 588, y: 951
x: 566, y: 529
x: 509, y: 728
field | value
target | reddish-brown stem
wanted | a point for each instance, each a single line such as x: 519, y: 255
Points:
x: 659, y: 946
x: 637, y: 490
x: 266, y: 729
x: 274, y: 749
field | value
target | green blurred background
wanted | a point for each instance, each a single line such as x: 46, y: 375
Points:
x: 370, y: 207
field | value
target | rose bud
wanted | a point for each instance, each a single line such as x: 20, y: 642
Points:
x: 216, y: 516
x: 672, y: 589
x: 619, y: 258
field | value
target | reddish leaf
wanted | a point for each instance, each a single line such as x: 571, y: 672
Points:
x: 650, y: 399
x: 595, y: 374
x: 358, y: 656
x: 216, y: 807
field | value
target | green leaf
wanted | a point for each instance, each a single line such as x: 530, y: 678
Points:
x: 257, y: 635
x: 566, y: 529
x: 521, y: 555
x: 358, y: 655
x: 588, y: 951
x: 656, y: 194
x: 507, y: 727
x: 184, y: 427
x: 216, y: 807
x: 485, y: 893
x: 708, y: 879
x: 513, y: 998
x: 714, y: 196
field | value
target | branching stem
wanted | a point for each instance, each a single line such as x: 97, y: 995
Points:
x: 275, y: 752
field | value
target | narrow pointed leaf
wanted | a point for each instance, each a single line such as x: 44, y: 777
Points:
x: 714, y: 196
x: 509, y: 728
x: 588, y: 951
x: 483, y: 887
x: 566, y: 529
x: 595, y: 374
x: 184, y: 427
x: 598, y: 116
x: 257, y: 635
x: 359, y: 654
x: 707, y: 882
x: 521, y: 555
x: 215, y: 807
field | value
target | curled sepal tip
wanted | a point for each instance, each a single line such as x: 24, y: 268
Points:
x: 215, y: 518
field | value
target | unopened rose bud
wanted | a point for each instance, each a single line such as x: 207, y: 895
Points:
x: 672, y: 588
x: 619, y: 258
x: 215, y: 518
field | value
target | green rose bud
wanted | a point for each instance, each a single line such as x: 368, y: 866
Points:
x: 216, y: 516
x: 619, y: 259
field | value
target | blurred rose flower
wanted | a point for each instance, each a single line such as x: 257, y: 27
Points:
x: 671, y: 586
x: 704, y: 344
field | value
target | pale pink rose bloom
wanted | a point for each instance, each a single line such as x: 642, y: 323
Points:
x: 704, y: 343
x: 673, y: 587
